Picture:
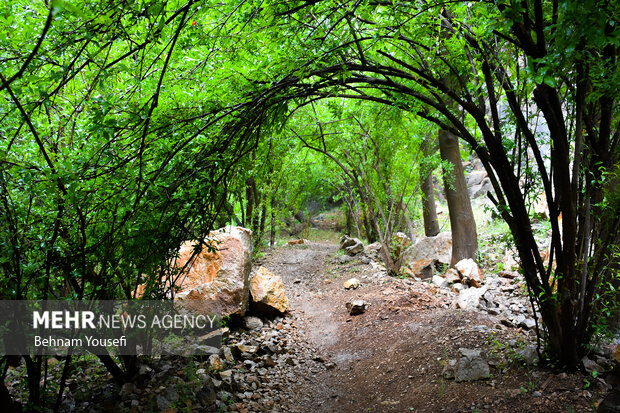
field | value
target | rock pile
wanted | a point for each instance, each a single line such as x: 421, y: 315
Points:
x: 248, y: 374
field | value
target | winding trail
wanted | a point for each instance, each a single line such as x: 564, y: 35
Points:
x: 390, y: 359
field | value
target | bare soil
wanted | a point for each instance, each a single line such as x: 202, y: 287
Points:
x: 390, y: 359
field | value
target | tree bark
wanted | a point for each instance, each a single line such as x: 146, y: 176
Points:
x: 349, y: 224
x: 464, y: 236
x: 272, y: 226
x: 429, y: 210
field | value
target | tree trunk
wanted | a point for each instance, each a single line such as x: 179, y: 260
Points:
x: 429, y: 210
x: 464, y: 236
x: 410, y: 226
x: 371, y: 234
x: 349, y: 224
x: 261, y: 227
x: 272, y: 230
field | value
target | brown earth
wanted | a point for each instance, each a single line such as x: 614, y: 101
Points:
x: 390, y: 358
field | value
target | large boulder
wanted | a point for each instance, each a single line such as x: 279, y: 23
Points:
x: 267, y: 290
x: 218, y: 281
x: 437, y: 248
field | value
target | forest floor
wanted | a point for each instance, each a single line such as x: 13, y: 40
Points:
x: 390, y: 358
x: 319, y: 358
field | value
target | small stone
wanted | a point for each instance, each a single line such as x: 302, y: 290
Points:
x: 471, y: 366
x: 529, y: 354
x: 253, y: 323
x: 162, y: 402
x: 215, y: 362
x: 226, y: 375
x: 343, y: 259
x: 470, y: 270
x: 452, y: 276
x: 352, y: 283
x: 439, y: 281
x: 448, y: 369
x: 527, y: 324
x: 356, y: 307
x: 207, y: 395
x: 172, y: 395
x: 469, y: 299
x: 591, y: 366
x: 611, y: 402
x: 228, y: 355
x: 508, y: 274
x: 279, y: 326
x: 127, y: 390
x: 244, y: 348
x: 457, y: 287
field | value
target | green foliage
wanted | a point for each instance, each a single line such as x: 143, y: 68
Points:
x: 128, y: 127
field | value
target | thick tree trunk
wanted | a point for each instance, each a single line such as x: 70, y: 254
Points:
x: 429, y: 210
x: 464, y: 236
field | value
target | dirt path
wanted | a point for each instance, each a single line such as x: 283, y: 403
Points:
x: 390, y: 358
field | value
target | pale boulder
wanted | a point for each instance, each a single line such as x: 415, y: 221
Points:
x: 267, y: 292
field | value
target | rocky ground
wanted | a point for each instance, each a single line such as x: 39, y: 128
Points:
x: 393, y: 357
x: 411, y: 348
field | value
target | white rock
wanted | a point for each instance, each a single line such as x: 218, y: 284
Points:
x: 470, y: 298
x: 439, y: 281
